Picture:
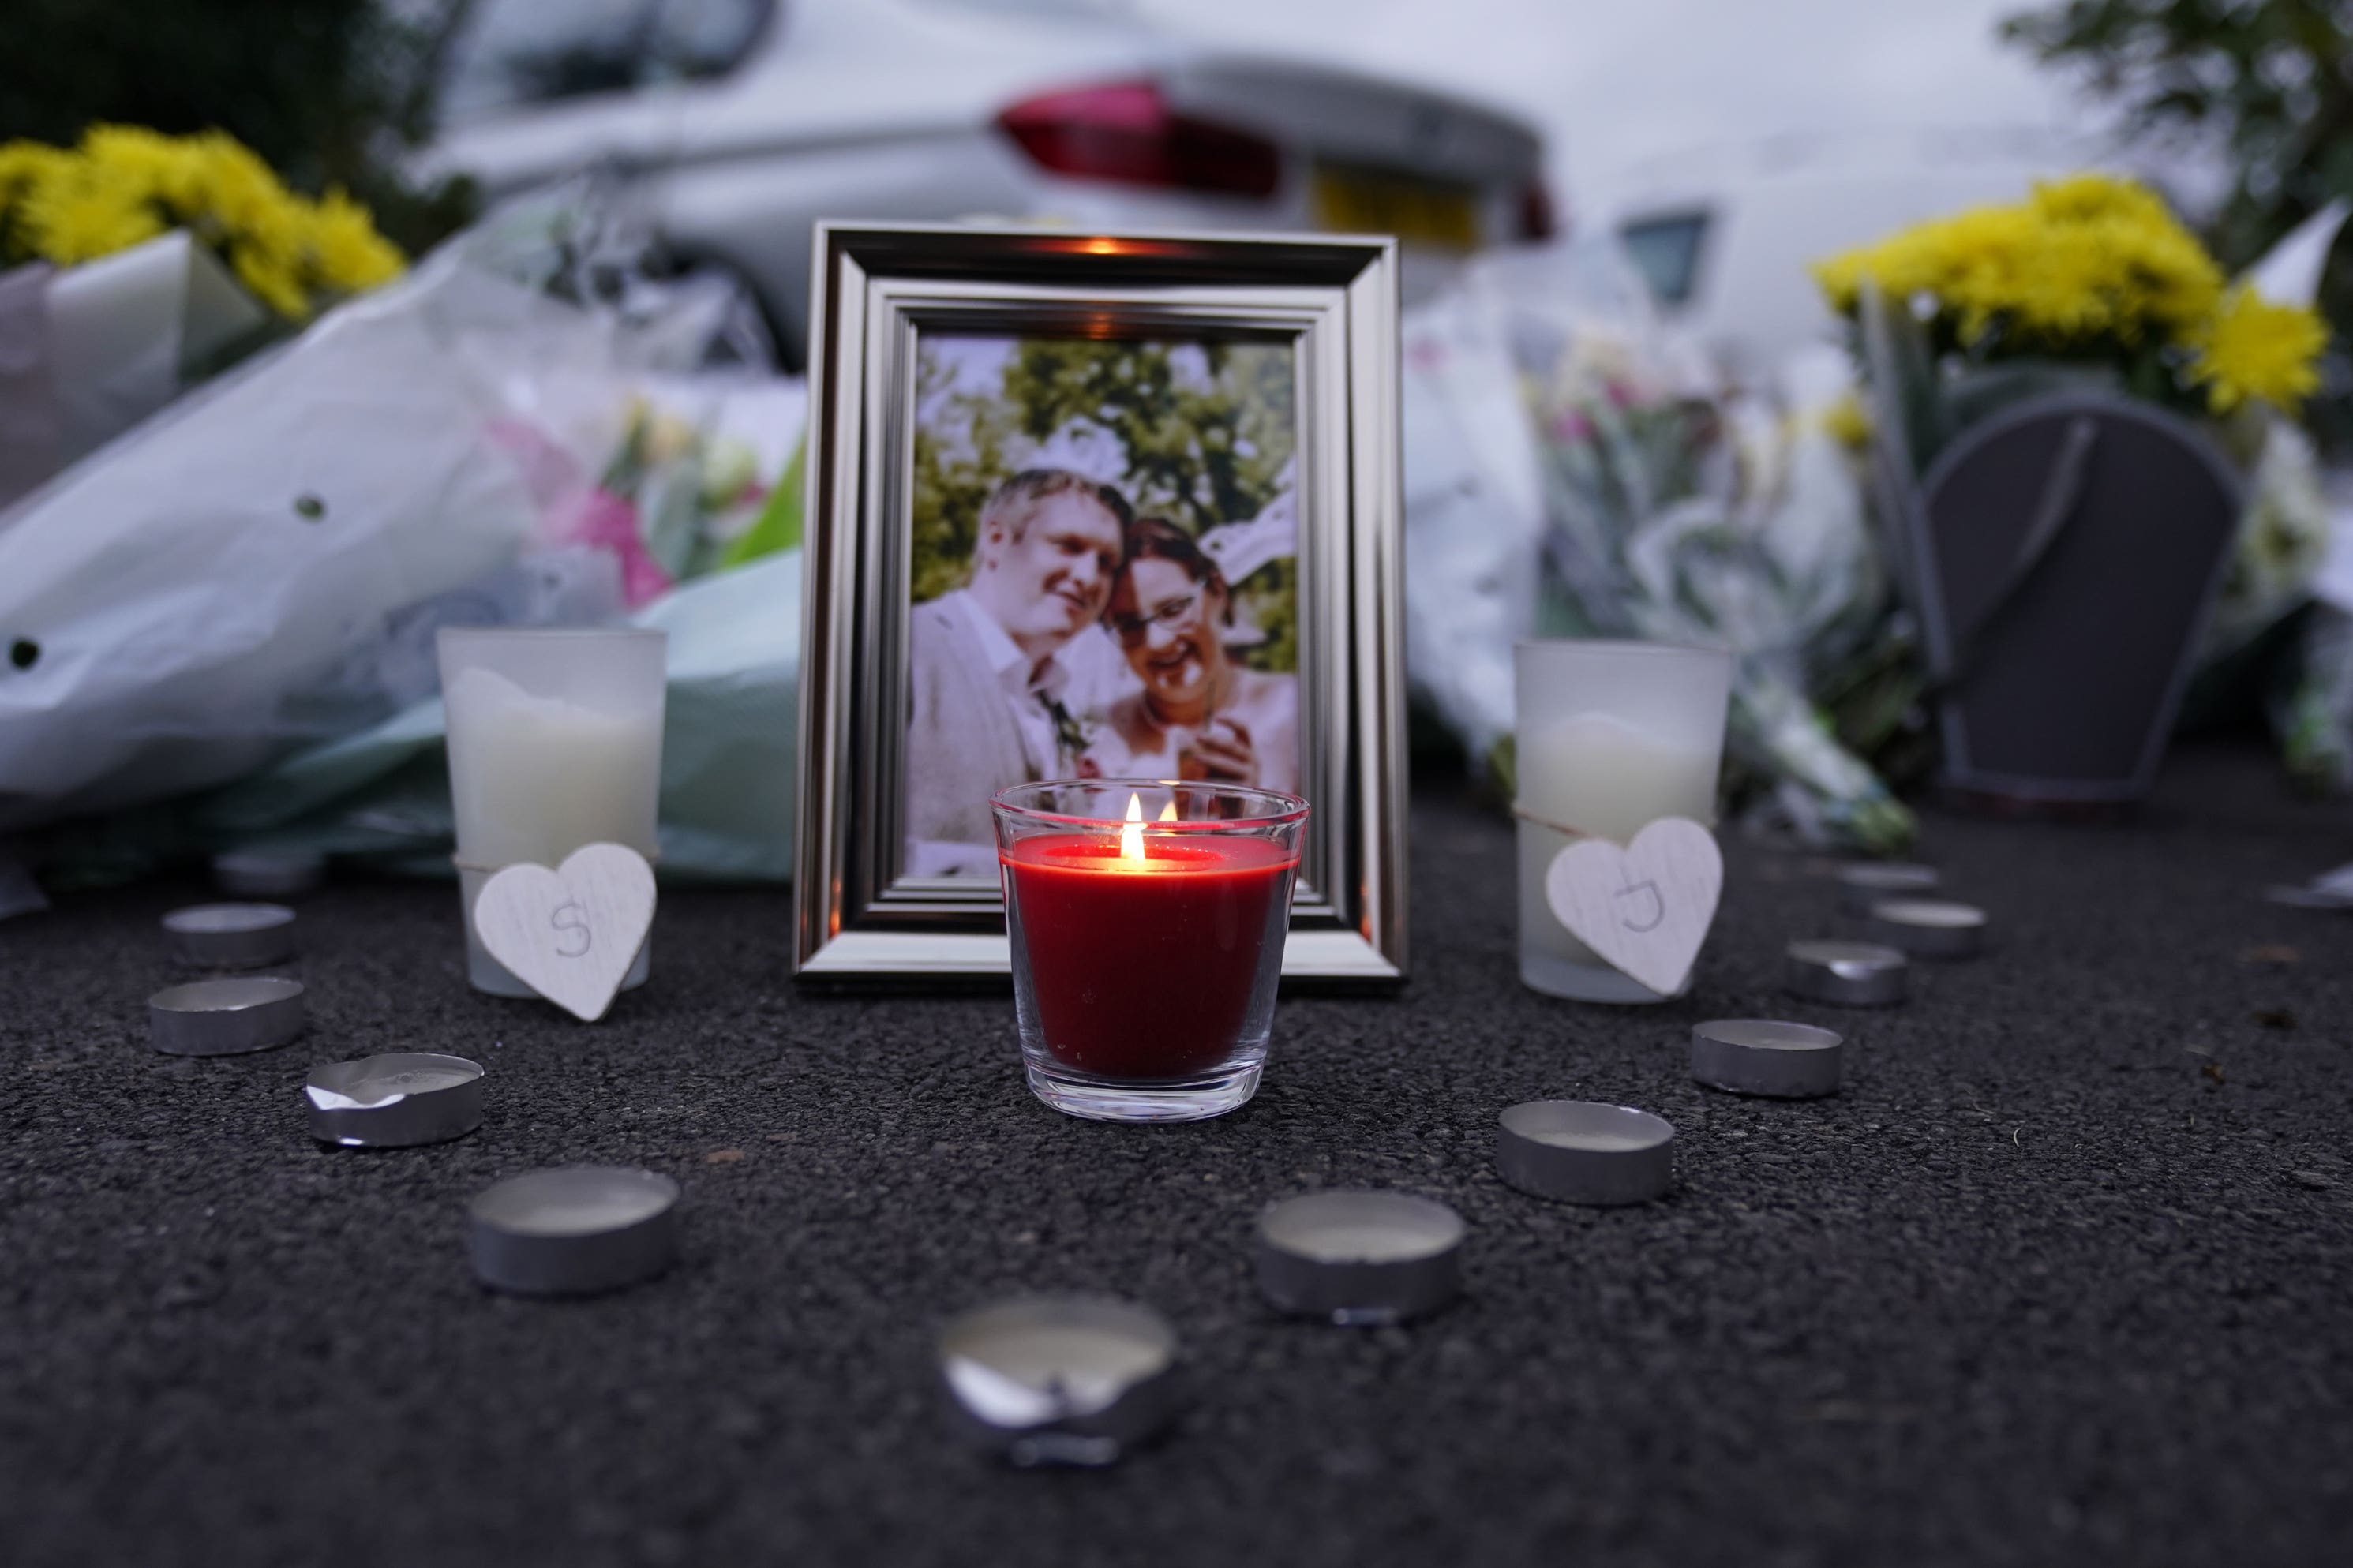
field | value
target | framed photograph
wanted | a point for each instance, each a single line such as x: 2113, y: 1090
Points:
x: 1094, y: 505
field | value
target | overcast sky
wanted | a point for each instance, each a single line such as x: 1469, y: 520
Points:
x: 1613, y: 82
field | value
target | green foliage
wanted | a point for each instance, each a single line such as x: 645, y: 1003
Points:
x: 960, y: 456
x: 325, y: 90
x: 2268, y: 80
x: 1200, y: 451
x: 1270, y: 596
x: 1199, y: 455
x: 779, y: 526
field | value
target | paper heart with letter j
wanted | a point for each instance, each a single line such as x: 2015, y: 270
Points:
x: 1644, y: 909
x: 570, y: 934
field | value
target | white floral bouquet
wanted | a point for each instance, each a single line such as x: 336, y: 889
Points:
x: 1652, y: 507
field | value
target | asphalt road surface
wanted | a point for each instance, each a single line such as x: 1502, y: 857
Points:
x: 2064, y: 1275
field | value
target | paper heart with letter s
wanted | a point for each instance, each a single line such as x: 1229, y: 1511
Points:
x: 570, y: 934
x: 1644, y: 909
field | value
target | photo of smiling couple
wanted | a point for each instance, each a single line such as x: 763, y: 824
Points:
x: 1094, y: 627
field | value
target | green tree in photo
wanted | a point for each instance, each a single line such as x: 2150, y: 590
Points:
x: 1200, y: 454
x: 960, y: 456
x: 1201, y: 450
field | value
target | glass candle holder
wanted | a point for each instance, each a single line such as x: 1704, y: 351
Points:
x: 555, y: 743
x: 1609, y: 737
x: 1148, y: 922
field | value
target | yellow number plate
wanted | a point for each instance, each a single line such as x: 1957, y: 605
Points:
x: 1376, y: 201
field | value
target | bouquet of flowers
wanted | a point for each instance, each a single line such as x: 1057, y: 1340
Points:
x: 124, y: 186
x: 1681, y: 516
x: 1572, y: 469
x: 2088, y: 271
x: 684, y: 490
x: 2091, y: 283
x: 259, y: 575
x: 142, y: 264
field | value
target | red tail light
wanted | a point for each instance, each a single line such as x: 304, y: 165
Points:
x: 1537, y: 218
x: 1126, y: 131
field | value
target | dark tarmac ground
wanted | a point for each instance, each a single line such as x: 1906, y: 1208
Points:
x: 2064, y: 1275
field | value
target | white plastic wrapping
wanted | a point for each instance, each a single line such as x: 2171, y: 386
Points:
x: 186, y: 603
x: 728, y: 751
x: 1574, y: 468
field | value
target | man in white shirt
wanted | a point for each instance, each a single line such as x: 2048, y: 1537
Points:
x: 991, y: 687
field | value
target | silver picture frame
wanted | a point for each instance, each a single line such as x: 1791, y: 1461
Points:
x: 875, y: 290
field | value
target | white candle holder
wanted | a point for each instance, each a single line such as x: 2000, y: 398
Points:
x: 1611, y: 736
x: 555, y: 743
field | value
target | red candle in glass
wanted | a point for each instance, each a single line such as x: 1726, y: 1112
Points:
x: 1146, y: 954
x: 1144, y: 968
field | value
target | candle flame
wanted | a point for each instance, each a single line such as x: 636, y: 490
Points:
x: 1168, y: 812
x: 1131, y: 837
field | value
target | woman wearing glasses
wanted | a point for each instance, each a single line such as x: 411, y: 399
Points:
x: 1200, y: 714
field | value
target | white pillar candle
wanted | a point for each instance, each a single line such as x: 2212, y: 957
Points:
x: 1610, y: 737
x: 555, y: 743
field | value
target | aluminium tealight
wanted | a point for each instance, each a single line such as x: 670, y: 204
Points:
x: 1928, y: 928
x: 227, y: 1016
x: 1766, y: 1057
x: 1585, y: 1151
x: 1359, y: 1258
x: 397, y: 1101
x: 231, y: 936
x: 1846, y: 974
x: 1060, y: 1379
x: 269, y: 873
x: 1864, y: 884
x: 573, y: 1230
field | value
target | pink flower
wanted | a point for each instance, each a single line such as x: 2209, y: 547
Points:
x: 1571, y: 425
x: 548, y: 471
x: 600, y: 518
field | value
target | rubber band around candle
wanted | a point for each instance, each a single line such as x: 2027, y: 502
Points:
x: 1525, y: 814
x: 488, y: 869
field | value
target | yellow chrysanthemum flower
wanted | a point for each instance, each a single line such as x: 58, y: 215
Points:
x: 76, y: 218
x: 133, y: 159
x: 273, y: 280
x: 2254, y: 349
x: 2163, y: 276
x: 232, y: 197
x: 2064, y: 289
x: 1848, y: 423
x: 124, y: 184
x: 2083, y: 263
x: 24, y: 165
x: 347, y: 255
x: 2089, y: 197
